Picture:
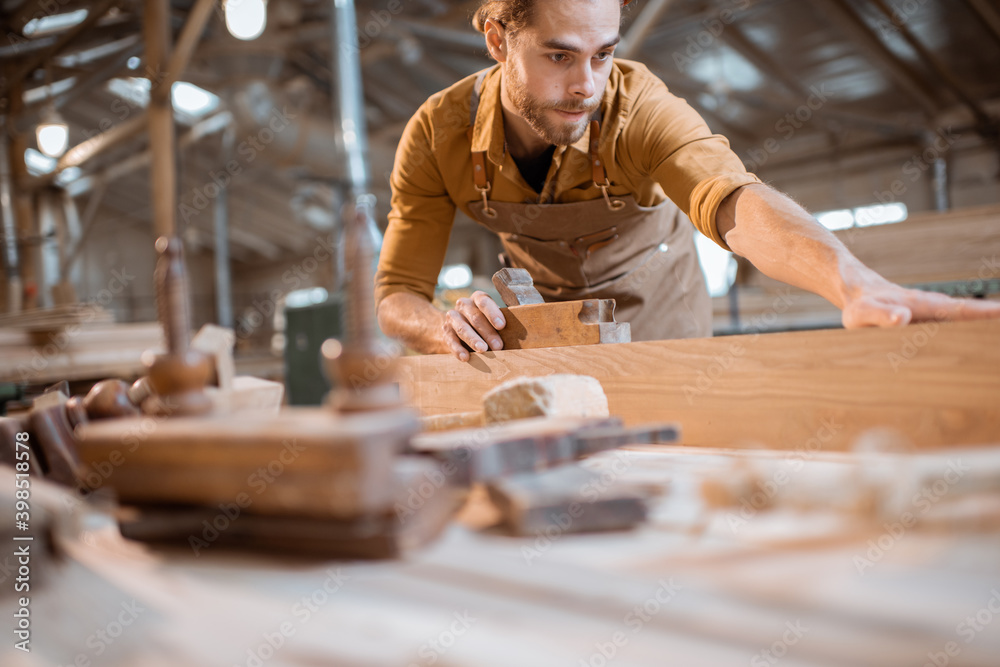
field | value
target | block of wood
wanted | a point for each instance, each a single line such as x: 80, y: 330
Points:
x: 567, y: 499
x: 302, y: 462
x: 248, y: 394
x: 562, y: 323
x: 560, y: 395
x: 449, y: 422
x: 388, y: 533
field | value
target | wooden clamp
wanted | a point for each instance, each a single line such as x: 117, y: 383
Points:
x: 533, y: 324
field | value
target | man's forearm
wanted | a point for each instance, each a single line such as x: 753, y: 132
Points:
x: 786, y: 243
x: 414, y: 321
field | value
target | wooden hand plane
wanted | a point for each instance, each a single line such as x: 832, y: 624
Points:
x: 532, y: 323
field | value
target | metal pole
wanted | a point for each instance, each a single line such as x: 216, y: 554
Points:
x: 9, y: 223
x: 223, y: 274
x: 350, y: 97
x: 942, y: 197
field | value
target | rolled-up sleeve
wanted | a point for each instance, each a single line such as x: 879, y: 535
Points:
x: 421, y: 218
x: 695, y: 168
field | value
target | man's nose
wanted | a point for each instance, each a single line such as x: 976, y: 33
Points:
x: 582, y: 84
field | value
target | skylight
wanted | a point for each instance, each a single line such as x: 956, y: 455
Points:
x: 190, y: 102
x: 863, y: 216
x: 51, y: 24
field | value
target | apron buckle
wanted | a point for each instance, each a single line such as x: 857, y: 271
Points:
x: 613, y: 204
x: 484, y: 190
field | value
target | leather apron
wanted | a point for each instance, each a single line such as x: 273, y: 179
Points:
x: 609, y: 248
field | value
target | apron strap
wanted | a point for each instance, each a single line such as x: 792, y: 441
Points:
x: 600, y: 174
x: 482, y: 181
x: 479, y: 176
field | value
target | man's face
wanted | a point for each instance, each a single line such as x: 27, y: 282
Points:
x: 558, y: 67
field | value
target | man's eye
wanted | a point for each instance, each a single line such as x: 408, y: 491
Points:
x: 604, y: 56
x: 557, y: 57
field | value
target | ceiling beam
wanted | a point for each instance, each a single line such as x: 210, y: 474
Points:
x: 40, y: 58
x: 988, y: 125
x: 988, y: 14
x: 640, y: 28
x: 842, y: 13
x: 767, y: 65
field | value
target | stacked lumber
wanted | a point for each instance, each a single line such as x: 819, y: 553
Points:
x: 962, y: 244
x: 936, y: 383
x: 57, y: 317
x: 933, y: 247
x: 85, y: 352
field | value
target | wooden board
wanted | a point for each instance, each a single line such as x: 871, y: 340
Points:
x: 302, y: 462
x: 938, y: 384
x: 586, y: 322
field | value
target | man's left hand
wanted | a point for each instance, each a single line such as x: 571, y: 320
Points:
x: 885, y: 304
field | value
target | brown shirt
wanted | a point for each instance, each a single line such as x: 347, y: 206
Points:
x: 653, y: 144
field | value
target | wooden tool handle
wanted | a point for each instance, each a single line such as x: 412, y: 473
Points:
x: 516, y: 287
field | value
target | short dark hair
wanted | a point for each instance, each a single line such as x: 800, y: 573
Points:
x: 513, y: 15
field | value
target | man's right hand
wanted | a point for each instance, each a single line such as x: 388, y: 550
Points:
x: 474, y: 323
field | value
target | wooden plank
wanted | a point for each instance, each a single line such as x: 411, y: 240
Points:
x: 937, y: 383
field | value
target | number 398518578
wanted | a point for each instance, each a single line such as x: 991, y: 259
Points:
x: 22, y: 483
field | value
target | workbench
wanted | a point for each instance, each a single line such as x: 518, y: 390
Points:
x: 809, y: 542
x: 691, y: 587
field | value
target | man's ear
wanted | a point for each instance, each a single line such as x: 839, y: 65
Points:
x: 496, y: 40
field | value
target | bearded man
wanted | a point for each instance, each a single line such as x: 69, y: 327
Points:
x: 591, y: 172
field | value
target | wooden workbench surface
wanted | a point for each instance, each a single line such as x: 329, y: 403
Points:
x: 692, y: 587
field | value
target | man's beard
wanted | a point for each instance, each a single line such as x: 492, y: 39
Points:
x: 533, y: 111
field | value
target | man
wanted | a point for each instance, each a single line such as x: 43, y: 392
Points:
x: 579, y: 163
